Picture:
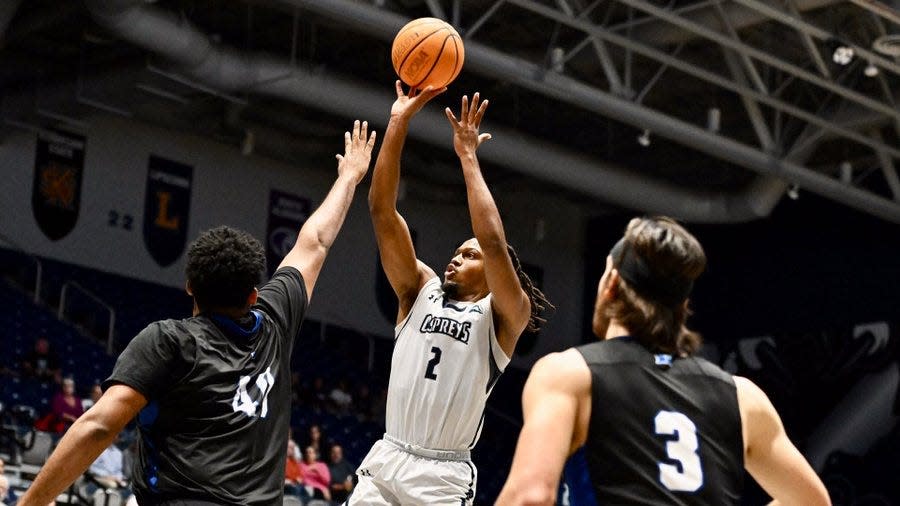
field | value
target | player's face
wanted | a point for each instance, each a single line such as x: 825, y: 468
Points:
x: 464, y: 274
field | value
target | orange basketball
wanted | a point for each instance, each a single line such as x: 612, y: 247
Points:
x: 427, y: 51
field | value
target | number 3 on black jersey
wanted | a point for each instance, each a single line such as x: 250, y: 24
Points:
x: 435, y: 359
x: 683, y: 449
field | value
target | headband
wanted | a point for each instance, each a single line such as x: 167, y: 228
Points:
x: 635, y: 270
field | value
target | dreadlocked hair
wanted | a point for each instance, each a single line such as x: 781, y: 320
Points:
x: 536, y: 297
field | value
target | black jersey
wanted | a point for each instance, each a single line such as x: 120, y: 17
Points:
x: 219, y: 393
x: 663, y: 431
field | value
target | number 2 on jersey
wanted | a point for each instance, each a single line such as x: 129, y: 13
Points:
x: 688, y: 477
x: 435, y: 360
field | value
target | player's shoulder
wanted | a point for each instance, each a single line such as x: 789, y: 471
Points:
x: 751, y: 397
x: 178, y: 332
x: 285, y: 280
x: 565, y: 368
x: 287, y: 272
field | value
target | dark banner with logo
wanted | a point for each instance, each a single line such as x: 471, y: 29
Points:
x: 166, y: 209
x: 56, y: 192
x: 287, y: 213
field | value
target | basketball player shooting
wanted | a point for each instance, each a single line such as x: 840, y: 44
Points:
x: 453, y: 338
x: 212, y: 392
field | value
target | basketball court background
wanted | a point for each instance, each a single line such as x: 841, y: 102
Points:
x: 733, y: 116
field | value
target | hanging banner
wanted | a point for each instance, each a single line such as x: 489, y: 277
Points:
x: 287, y: 213
x: 56, y: 192
x: 166, y: 208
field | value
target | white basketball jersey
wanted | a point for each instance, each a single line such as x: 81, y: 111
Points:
x: 445, y: 363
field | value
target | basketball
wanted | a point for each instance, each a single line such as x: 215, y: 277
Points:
x: 427, y: 51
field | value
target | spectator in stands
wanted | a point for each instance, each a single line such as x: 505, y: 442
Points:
x: 319, y: 396
x: 65, y: 408
x: 363, y: 403
x: 315, y: 439
x: 316, y: 476
x: 7, y: 496
x: 296, y: 389
x: 108, y: 471
x: 293, y: 475
x: 342, y: 474
x: 340, y: 397
x: 4, y: 490
x: 42, y: 363
x: 96, y: 393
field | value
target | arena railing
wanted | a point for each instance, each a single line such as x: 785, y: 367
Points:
x: 72, y: 285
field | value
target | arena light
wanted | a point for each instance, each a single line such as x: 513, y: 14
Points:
x: 644, y: 138
x: 841, y: 52
x: 557, y: 59
x: 871, y: 70
x: 846, y: 169
x: 793, y: 192
x: 713, y: 119
x: 248, y: 143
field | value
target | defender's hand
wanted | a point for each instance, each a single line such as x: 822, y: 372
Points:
x: 357, y: 152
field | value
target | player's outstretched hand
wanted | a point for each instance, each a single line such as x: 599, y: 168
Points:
x: 357, y: 152
x: 466, y: 138
x: 408, y: 104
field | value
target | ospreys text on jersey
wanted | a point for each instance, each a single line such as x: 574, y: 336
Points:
x: 448, y: 326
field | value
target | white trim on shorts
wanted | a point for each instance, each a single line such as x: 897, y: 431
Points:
x: 428, y: 453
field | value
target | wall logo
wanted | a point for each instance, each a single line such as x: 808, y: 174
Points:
x: 56, y: 192
x: 166, y: 208
x: 287, y: 213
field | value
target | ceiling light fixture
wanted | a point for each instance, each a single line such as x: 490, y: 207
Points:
x: 557, y: 59
x: 713, y: 119
x: 871, y: 70
x: 248, y: 144
x: 843, y: 54
x: 793, y: 192
x: 644, y: 138
x: 846, y: 172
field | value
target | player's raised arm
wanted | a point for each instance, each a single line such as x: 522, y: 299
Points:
x: 770, y: 457
x: 320, y: 230
x: 510, y: 302
x: 398, y: 257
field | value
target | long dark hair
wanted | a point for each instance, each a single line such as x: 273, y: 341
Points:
x: 670, y: 251
x: 536, y: 297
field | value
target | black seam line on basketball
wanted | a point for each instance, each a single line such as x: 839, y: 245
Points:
x: 442, y: 25
x: 456, y: 63
x: 436, y: 60
x: 413, y: 49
